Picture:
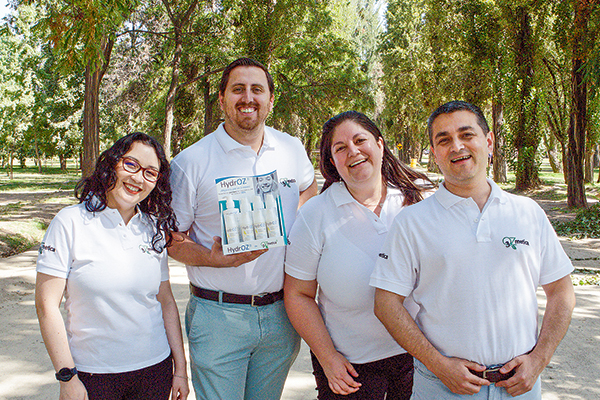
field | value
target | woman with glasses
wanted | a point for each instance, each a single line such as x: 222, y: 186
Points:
x: 122, y: 338
x: 334, y: 245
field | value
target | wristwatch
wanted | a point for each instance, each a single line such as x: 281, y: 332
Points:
x: 66, y: 374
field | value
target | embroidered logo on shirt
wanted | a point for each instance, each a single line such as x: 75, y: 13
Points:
x: 287, y: 182
x: 383, y: 255
x: 44, y: 246
x: 512, y: 242
x: 145, y: 248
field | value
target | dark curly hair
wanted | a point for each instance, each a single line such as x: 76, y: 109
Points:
x: 92, y: 190
x: 394, y: 172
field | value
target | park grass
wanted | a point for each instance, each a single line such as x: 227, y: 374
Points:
x: 23, y: 235
x: 58, y: 185
x: 29, y: 179
x: 35, y: 191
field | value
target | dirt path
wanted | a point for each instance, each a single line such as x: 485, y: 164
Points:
x: 26, y: 372
x: 19, y: 208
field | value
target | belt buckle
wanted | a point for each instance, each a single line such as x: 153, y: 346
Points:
x: 490, y: 370
x: 258, y: 297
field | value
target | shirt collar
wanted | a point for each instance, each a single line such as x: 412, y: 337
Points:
x: 114, y: 217
x: 229, y: 144
x: 448, y: 199
x: 342, y: 196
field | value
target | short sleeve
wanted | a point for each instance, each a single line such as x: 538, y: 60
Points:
x: 396, y: 267
x: 55, y: 252
x: 555, y: 264
x: 303, y: 252
x: 164, y: 265
x: 183, y: 196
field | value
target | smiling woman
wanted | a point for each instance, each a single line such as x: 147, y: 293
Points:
x: 122, y: 337
x: 334, y: 244
x: 132, y: 187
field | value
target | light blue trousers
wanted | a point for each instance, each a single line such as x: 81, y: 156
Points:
x: 427, y: 386
x: 238, y: 351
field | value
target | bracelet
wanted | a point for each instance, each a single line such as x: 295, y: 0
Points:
x: 182, y: 377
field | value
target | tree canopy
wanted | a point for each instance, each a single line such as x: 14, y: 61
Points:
x: 76, y: 74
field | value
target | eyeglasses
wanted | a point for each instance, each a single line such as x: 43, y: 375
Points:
x: 132, y: 166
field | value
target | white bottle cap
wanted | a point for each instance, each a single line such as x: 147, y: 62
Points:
x: 244, y: 205
x: 258, y: 204
x: 230, y: 203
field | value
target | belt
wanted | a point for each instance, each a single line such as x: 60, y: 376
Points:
x: 253, y: 300
x: 493, y: 374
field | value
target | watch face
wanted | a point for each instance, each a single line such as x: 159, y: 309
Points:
x: 65, y: 374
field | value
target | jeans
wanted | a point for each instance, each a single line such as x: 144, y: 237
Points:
x: 238, y: 351
x: 427, y: 386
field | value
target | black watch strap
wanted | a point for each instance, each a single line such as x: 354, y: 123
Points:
x: 66, y: 374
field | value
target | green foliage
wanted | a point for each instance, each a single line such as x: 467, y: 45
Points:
x: 584, y: 277
x: 19, y: 55
x: 585, y: 225
x: 326, y: 57
x: 16, y: 243
x: 79, y: 29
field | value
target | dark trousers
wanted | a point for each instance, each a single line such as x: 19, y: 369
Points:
x: 150, y: 383
x: 389, y: 379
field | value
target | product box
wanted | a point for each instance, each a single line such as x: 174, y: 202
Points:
x: 251, y: 213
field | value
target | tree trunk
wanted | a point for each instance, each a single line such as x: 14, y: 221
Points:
x: 555, y: 163
x: 404, y: 149
x: 37, y: 157
x: 91, y: 109
x: 596, y: 161
x: 498, y: 157
x: 10, y: 163
x: 589, y: 166
x: 578, y: 119
x: 179, y: 131
x: 550, y: 142
x: 179, y: 22
x: 91, y: 121
x: 170, y: 103
x: 597, y: 164
x: 526, y: 140
x: 208, y: 106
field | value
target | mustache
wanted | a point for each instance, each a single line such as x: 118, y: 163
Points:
x: 244, y: 103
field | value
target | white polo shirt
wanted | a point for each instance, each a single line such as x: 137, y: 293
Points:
x: 114, y: 320
x: 335, y: 241
x: 474, y: 274
x: 193, y: 174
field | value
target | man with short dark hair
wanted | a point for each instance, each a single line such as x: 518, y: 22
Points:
x: 241, y: 341
x: 472, y: 256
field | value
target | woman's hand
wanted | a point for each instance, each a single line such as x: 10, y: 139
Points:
x: 340, y: 375
x: 181, y: 387
x: 73, y: 390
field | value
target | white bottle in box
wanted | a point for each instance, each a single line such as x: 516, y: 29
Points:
x: 232, y: 227
x: 246, y: 224
x: 260, y: 227
x: 272, y: 216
